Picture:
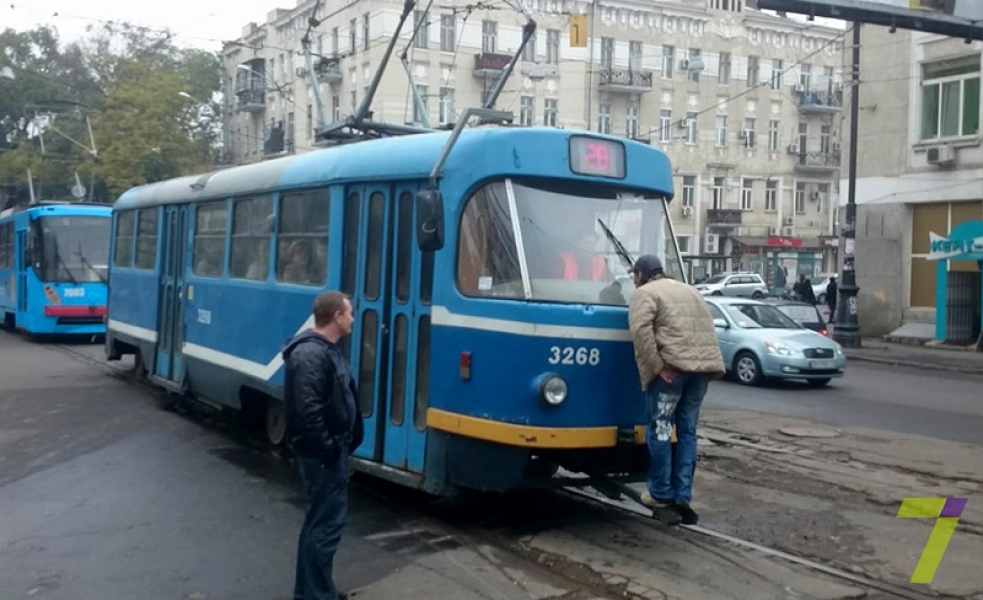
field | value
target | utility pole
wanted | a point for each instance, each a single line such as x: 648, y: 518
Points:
x: 846, y: 328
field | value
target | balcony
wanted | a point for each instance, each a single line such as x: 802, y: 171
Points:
x: 723, y: 216
x: 817, y: 162
x: 490, y: 64
x: 328, y: 70
x: 821, y: 102
x: 250, y: 99
x: 625, y: 81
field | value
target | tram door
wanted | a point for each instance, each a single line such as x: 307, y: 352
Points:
x: 170, y: 335
x: 382, y: 273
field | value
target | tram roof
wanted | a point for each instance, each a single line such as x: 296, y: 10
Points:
x: 395, y: 159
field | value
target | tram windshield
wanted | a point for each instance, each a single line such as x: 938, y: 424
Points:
x: 546, y: 241
x: 74, y: 249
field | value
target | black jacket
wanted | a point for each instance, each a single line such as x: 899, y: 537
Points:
x: 322, y: 419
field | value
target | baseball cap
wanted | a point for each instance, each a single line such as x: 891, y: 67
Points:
x: 647, y: 265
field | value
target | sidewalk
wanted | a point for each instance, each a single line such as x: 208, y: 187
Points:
x: 948, y: 358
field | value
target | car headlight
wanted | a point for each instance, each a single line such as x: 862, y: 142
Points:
x: 779, y: 348
x: 553, y: 390
x: 838, y: 348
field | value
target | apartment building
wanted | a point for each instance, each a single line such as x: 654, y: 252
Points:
x: 919, y: 186
x: 749, y: 106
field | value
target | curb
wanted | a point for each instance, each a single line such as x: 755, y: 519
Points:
x: 915, y: 364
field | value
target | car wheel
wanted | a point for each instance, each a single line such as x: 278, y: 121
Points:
x: 821, y: 299
x: 276, y: 422
x: 717, y: 293
x: 747, y: 369
x: 818, y: 383
x: 757, y: 295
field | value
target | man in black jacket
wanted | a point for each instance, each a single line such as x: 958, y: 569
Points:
x: 324, y: 426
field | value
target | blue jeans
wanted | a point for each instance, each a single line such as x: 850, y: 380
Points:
x: 326, y: 489
x: 667, y: 404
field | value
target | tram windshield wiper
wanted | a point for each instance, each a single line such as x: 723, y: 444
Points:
x: 619, y: 248
x: 86, y: 263
x: 59, y: 258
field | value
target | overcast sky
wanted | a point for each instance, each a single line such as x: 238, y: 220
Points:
x: 200, y: 23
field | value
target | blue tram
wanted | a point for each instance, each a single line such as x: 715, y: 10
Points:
x: 487, y: 270
x: 54, y: 268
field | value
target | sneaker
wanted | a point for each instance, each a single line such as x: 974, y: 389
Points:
x: 687, y: 514
x: 662, y: 510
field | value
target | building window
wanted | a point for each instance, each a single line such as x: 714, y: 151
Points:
x: 823, y: 197
x: 631, y: 122
x: 723, y: 74
x: 753, y: 71
x: 803, y: 136
x: 718, y: 193
x: 668, y: 56
x: 776, y: 74
x: 527, y: 111
x: 529, y: 52
x: 683, y: 242
x: 489, y: 36
x: 689, y: 191
x: 448, y: 32
x: 422, y: 28
x: 335, y: 42
x: 800, y: 198
x: 604, y: 118
x: 748, y: 134
x: 721, y: 130
x: 635, y: 56
x: 747, y: 190
x: 417, y: 116
x: 771, y: 196
x: 665, y: 125
x: 694, y: 75
x: 365, y: 31
x: 692, y: 128
x: 774, y: 135
x: 824, y: 140
x: 551, y: 112
x: 805, y: 77
x: 446, y: 106
x: 951, y: 98
x: 352, y: 27
x: 607, y: 53
x: 336, y: 107
x: 552, y: 46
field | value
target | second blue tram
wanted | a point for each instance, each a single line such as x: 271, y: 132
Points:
x: 490, y: 343
x: 54, y: 268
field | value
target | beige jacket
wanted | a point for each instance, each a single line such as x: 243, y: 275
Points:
x: 671, y: 324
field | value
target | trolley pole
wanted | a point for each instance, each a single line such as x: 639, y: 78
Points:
x: 846, y: 329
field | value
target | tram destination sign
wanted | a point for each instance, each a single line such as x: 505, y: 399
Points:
x: 954, y: 18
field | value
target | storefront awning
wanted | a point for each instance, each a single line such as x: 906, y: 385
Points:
x: 776, y: 243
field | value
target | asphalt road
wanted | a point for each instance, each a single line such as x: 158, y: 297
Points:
x: 937, y: 404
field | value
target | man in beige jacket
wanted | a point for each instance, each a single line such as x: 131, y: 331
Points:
x: 677, y: 355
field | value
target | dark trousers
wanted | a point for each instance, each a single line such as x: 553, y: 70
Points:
x: 326, y: 489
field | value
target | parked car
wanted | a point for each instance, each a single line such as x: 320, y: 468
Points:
x: 803, y: 313
x: 758, y: 342
x: 734, y: 284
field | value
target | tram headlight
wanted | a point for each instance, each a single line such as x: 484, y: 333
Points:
x: 553, y: 390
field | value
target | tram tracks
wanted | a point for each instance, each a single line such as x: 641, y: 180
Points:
x: 636, y: 509
x: 479, y: 528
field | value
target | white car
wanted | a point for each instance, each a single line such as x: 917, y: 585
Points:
x: 734, y: 284
x: 819, y: 284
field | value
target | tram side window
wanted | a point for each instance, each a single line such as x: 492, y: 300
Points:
x: 251, y: 220
x: 487, y: 260
x: 146, y: 238
x: 373, y: 246
x: 349, y: 258
x: 125, y: 222
x: 6, y: 245
x: 302, y: 241
x: 209, y: 245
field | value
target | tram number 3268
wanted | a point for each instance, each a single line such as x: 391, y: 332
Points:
x: 574, y: 356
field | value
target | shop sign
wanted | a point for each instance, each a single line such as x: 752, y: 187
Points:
x: 956, y: 247
x: 784, y: 242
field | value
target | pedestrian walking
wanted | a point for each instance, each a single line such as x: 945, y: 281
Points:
x: 677, y: 355
x: 831, y: 290
x: 324, y: 427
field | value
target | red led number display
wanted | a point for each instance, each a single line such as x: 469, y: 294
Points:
x: 597, y: 157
